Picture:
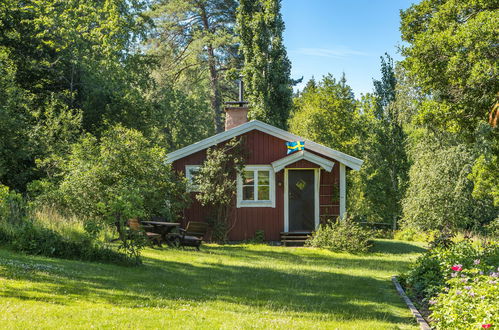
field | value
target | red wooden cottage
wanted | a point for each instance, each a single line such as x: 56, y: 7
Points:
x: 280, y: 193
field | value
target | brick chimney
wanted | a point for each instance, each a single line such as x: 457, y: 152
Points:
x: 235, y: 116
x: 236, y: 113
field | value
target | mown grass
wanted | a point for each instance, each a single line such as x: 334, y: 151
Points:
x: 236, y: 286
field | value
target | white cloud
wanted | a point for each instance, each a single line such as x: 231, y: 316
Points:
x: 338, y: 52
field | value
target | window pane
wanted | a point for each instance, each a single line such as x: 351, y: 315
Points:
x: 263, y: 193
x: 263, y: 177
x: 248, y: 193
x: 248, y: 178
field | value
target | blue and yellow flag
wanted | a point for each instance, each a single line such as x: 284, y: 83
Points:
x: 295, y: 146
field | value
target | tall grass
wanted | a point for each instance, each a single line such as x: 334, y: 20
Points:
x: 44, y: 231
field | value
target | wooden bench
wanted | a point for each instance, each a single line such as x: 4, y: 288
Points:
x: 134, y: 224
x: 192, y: 235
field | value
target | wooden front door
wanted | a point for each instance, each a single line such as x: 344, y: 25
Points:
x: 301, y: 200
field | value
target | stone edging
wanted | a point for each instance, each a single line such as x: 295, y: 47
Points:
x: 422, y: 322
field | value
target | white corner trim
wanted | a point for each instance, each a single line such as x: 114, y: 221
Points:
x: 343, y: 190
x: 296, y: 156
x: 350, y: 161
x: 272, y: 194
x: 317, y: 184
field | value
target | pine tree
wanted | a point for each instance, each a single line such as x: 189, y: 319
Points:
x: 267, y: 69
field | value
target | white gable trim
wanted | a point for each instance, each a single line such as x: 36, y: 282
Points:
x: 296, y: 156
x: 351, y: 162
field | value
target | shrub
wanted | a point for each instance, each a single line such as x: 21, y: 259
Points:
x: 342, y: 235
x: 452, y: 278
x: 217, y: 184
x: 470, y: 300
x: 12, y: 205
x: 32, y: 237
x: 120, y: 176
x: 412, y: 234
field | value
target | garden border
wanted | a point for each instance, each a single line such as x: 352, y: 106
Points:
x: 419, y: 318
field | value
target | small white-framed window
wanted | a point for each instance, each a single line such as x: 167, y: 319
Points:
x: 190, y: 172
x: 256, y: 186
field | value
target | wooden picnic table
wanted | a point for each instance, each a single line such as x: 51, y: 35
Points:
x: 163, y: 228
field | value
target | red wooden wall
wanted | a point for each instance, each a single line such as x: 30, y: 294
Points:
x: 263, y: 150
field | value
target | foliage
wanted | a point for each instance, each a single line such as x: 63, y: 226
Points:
x: 12, y: 206
x: 176, y: 119
x: 427, y: 277
x: 122, y: 176
x: 451, y: 52
x: 412, y: 234
x: 342, y: 235
x: 486, y: 166
x: 470, y: 300
x: 326, y: 113
x: 217, y: 180
x: 206, y: 282
x: 195, y: 45
x: 378, y: 188
x: 48, y: 234
x: 440, y: 193
x: 266, y: 69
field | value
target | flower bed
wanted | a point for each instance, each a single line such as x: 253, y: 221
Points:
x: 457, y: 286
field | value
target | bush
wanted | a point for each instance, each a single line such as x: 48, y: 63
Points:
x: 470, y: 300
x: 438, y: 277
x: 342, y: 235
x: 46, y: 233
x: 12, y: 205
x: 413, y: 234
x: 32, y: 238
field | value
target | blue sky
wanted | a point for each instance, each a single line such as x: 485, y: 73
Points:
x: 335, y: 36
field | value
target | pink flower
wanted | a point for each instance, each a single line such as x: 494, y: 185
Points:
x: 481, y: 273
x: 453, y: 274
x: 476, y: 261
x: 486, y: 326
x: 458, y: 292
x: 482, y: 297
x: 467, y: 287
x: 472, y: 294
x: 432, y: 302
x: 457, y: 268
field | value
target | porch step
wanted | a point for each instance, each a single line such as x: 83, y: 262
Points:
x: 295, y: 238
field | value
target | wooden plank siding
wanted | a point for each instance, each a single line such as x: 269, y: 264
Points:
x: 263, y: 150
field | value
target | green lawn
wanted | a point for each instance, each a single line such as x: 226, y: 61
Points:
x: 236, y: 286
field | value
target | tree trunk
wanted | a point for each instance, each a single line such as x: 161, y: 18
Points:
x: 216, y: 97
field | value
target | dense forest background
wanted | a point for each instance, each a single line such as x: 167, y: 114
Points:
x: 80, y: 76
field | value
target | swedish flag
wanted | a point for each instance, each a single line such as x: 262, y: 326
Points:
x: 295, y: 146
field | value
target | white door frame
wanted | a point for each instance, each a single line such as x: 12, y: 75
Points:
x: 317, y: 177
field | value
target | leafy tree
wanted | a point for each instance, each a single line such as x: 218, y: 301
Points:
x: 217, y: 183
x: 452, y: 57
x: 327, y: 114
x: 16, y: 163
x: 452, y: 52
x: 176, y: 119
x: 122, y: 176
x: 266, y: 70
x: 382, y: 180
x: 440, y: 194
x: 195, y: 44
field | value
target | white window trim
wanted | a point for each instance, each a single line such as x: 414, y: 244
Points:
x: 271, y: 202
x: 191, y: 187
